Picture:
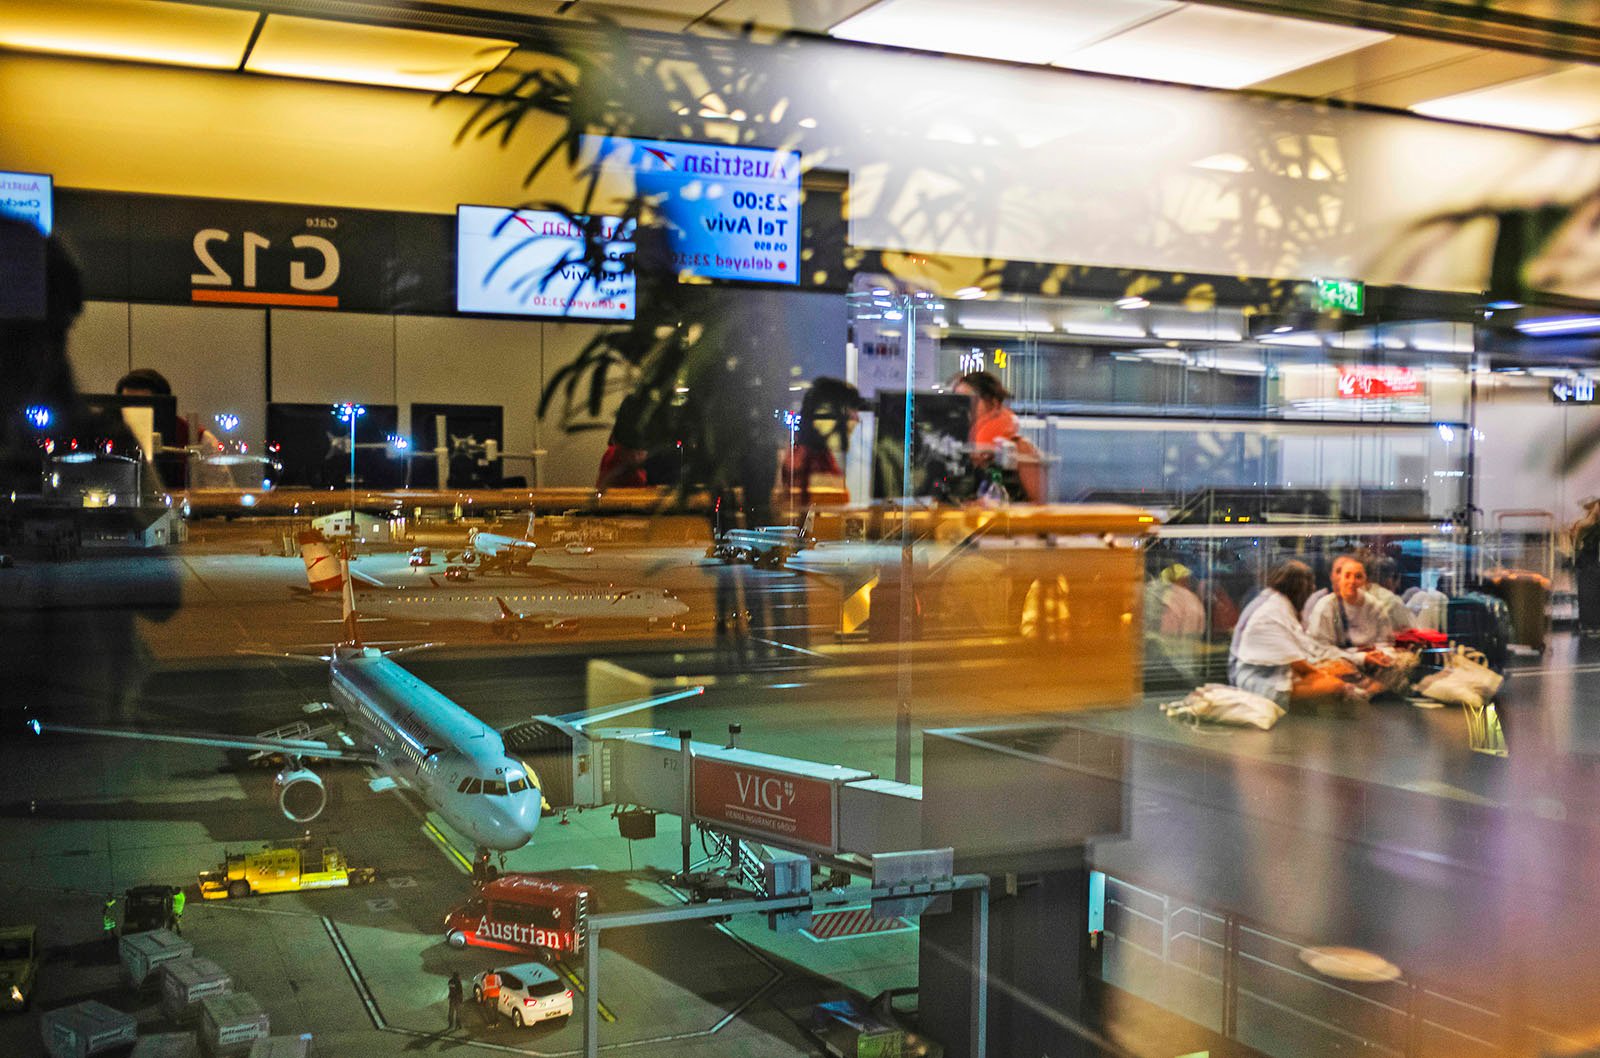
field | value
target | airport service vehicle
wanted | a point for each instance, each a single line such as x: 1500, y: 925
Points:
x: 523, y: 913
x: 421, y: 556
x: 19, y: 966
x: 527, y: 993
x: 576, y: 548
x: 147, y: 907
x: 457, y: 573
x: 281, y: 867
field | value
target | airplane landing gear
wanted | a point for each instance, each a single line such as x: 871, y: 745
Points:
x: 484, y: 872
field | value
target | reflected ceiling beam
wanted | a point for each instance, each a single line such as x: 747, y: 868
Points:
x: 1477, y: 24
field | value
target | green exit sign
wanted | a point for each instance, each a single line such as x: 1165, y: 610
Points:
x: 1346, y: 295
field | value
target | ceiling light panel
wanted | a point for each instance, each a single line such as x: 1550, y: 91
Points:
x: 1565, y: 101
x: 380, y: 55
x: 138, y: 30
x: 1217, y: 48
x: 1032, y: 31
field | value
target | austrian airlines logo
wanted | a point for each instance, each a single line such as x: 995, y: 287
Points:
x: 665, y: 157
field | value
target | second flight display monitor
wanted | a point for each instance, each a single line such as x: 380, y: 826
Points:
x: 532, y: 263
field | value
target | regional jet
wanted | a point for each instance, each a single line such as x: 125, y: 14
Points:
x: 507, y: 611
x: 383, y: 716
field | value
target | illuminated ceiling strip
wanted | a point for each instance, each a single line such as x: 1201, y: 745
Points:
x: 1565, y: 101
x: 380, y: 55
x: 154, y: 31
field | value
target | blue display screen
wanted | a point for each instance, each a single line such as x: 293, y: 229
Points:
x: 29, y: 197
x: 531, y: 263
x: 731, y: 212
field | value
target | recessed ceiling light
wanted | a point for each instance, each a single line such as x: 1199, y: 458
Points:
x: 1223, y: 163
x: 969, y: 294
x: 381, y: 55
x: 1034, y: 31
x: 1565, y: 101
x: 1218, y: 48
x: 139, y: 30
x: 1560, y: 325
x: 1133, y: 302
x: 1105, y: 330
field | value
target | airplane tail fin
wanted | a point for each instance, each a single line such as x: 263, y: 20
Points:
x: 529, y: 534
x: 505, y: 611
x: 807, y: 524
x: 352, y: 623
x: 323, y: 572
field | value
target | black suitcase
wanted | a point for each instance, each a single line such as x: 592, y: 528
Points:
x: 1482, y: 622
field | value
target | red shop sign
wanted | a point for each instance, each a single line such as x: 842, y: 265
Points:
x: 788, y: 809
x: 1361, y: 383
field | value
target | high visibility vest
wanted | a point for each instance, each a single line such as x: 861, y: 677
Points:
x: 178, y: 900
x: 491, y: 986
x: 108, y: 920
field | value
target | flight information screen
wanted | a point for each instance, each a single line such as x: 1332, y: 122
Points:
x: 731, y: 212
x: 531, y: 263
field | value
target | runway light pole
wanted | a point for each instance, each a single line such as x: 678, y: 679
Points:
x: 349, y: 413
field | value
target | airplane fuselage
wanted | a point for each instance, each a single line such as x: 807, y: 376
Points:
x: 455, y: 762
x: 532, y: 603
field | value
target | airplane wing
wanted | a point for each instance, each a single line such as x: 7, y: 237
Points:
x: 585, y: 717
x: 289, y: 747
x: 367, y: 578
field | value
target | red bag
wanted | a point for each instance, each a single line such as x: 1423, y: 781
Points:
x: 1420, y: 639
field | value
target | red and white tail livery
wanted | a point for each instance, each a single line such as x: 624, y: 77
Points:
x: 322, y: 568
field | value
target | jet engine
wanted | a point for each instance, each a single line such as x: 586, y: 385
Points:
x: 300, y: 794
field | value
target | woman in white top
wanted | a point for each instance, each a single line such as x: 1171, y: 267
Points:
x: 1273, y: 656
x: 1356, y: 616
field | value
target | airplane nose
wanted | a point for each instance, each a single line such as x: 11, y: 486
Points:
x: 520, y: 817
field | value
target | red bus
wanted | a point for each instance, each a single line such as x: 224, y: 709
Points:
x: 522, y: 913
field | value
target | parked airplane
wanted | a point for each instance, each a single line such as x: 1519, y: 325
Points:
x: 508, y: 611
x: 383, y: 716
x: 509, y: 554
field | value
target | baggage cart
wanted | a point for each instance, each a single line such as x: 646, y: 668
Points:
x: 143, y: 953
x: 86, y: 1028
x: 230, y: 1024
x: 185, y: 982
x: 167, y: 1045
x: 1527, y: 598
x: 282, y: 1047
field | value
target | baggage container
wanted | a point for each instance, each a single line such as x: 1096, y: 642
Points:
x: 230, y: 1024
x: 86, y: 1028
x: 185, y: 982
x: 167, y: 1045
x: 143, y: 953
x: 282, y: 1047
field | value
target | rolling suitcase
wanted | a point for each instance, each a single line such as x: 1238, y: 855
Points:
x: 1481, y: 622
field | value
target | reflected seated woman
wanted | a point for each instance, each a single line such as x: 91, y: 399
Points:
x: 1273, y: 656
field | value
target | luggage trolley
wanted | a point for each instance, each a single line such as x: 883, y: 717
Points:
x: 1525, y: 546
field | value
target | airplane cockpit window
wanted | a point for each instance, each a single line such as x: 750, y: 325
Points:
x: 469, y: 786
x: 517, y: 784
x: 494, y: 788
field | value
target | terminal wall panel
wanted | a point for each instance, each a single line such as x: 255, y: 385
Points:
x: 98, y: 346
x: 574, y: 453
x: 215, y: 359
x: 445, y: 360
x: 326, y: 357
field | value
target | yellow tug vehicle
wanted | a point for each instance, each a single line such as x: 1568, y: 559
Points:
x: 281, y: 867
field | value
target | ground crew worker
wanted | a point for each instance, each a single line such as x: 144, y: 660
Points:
x: 491, y: 997
x: 108, y: 917
x: 453, y: 990
x: 178, y: 900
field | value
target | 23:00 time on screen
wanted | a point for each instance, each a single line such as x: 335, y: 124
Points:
x: 767, y: 201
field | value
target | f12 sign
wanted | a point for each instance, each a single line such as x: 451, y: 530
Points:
x: 1364, y: 383
x: 532, y: 263
x: 787, y: 809
x: 731, y: 212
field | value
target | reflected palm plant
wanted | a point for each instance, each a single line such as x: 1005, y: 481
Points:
x: 699, y: 376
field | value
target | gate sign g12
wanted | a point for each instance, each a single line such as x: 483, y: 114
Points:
x: 731, y: 212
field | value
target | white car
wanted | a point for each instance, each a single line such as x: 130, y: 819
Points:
x: 527, y: 993
x: 577, y: 548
